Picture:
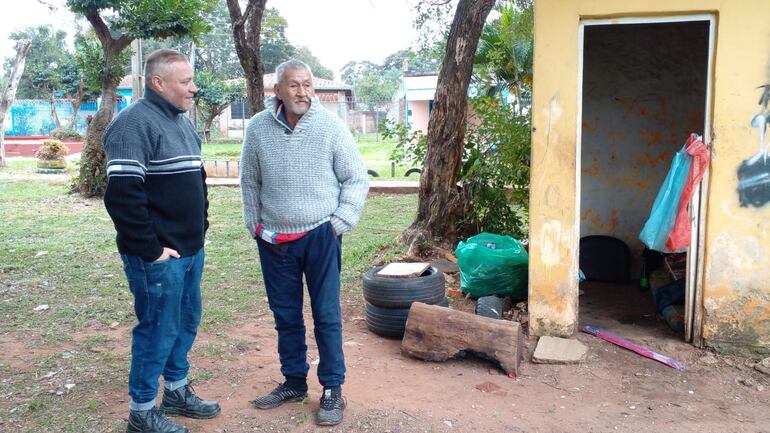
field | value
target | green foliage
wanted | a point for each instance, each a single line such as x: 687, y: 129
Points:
x: 65, y: 133
x: 375, y: 84
x: 274, y: 46
x: 495, y: 171
x: 89, y: 57
x: 421, y: 61
x: 410, y: 146
x: 52, y: 150
x: 352, y: 71
x: 145, y: 19
x: 150, y: 18
x: 374, y: 91
x: 433, y: 19
x: 215, y: 94
x: 504, y: 57
x: 46, y: 54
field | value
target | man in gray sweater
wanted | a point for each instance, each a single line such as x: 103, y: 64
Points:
x: 304, y: 185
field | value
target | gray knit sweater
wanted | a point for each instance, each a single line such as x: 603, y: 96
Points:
x: 295, y: 180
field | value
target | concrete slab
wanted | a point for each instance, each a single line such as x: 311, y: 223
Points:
x: 555, y: 350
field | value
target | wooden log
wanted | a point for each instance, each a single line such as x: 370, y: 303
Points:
x: 436, y: 333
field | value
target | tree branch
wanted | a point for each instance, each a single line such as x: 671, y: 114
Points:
x: 100, y: 27
x: 248, y: 12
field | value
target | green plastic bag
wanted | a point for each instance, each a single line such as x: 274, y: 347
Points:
x: 492, y: 264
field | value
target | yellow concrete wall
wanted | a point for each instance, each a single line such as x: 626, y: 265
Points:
x: 736, y: 285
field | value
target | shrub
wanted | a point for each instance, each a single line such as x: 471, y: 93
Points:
x: 65, y: 133
x: 52, y: 150
x: 411, y: 147
x: 495, y: 171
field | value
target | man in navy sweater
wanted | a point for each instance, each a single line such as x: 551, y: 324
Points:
x: 156, y: 196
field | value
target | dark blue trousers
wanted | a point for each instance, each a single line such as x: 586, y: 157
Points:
x: 317, y: 256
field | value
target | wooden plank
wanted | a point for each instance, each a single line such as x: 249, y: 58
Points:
x: 403, y: 270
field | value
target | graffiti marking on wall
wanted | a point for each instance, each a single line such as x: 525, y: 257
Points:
x: 754, y: 173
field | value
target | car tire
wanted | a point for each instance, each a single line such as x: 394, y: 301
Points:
x: 385, y: 292
x: 390, y: 322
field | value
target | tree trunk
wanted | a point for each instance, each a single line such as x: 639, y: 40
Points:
x: 9, y: 95
x: 93, y: 170
x: 75, y: 109
x: 76, y: 102
x: 55, y: 116
x: 436, y: 333
x: 439, y: 201
x: 247, y: 27
x: 207, y: 127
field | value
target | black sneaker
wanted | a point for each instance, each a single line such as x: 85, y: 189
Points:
x: 152, y: 421
x: 281, y: 394
x: 184, y: 402
x: 332, y: 405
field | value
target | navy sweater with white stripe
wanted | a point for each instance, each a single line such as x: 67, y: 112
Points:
x: 156, y: 190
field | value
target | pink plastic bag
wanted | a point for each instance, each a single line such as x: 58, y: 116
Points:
x: 680, y: 235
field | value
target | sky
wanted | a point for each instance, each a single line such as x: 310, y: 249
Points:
x: 336, y: 31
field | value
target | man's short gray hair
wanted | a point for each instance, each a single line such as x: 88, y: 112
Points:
x: 159, y: 59
x: 280, y: 71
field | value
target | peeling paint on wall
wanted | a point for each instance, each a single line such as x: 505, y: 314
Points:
x: 737, y: 302
x: 550, y: 242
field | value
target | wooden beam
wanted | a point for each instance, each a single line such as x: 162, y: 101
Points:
x: 437, y: 333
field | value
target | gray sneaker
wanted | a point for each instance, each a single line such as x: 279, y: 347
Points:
x: 280, y: 395
x: 332, y: 406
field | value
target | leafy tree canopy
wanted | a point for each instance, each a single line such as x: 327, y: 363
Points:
x: 504, y: 56
x: 274, y: 46
x: 149, y: 18
x: 47, y: 53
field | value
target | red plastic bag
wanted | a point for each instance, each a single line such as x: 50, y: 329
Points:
x: 680, y: 235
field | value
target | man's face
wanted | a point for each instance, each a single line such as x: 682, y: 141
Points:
x: 175, y: 84
x: 295, y: 90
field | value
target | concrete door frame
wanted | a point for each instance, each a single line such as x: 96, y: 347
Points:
x: 695, y: 256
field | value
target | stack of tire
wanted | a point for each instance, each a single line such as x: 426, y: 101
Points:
x: 388, y: 299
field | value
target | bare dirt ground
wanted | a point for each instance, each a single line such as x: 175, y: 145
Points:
x: 612, y: 390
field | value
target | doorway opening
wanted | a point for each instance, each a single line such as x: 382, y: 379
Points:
x: 644, y: 88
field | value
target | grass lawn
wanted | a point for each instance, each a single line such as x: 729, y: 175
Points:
x: 375, y: 152
x: 59, y: 250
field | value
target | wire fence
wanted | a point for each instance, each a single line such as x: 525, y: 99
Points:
x: 361, y: 116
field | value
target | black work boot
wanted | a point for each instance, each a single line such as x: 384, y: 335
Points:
x: 332, y: 406
x: 184, y: 402
x: 152, y: 421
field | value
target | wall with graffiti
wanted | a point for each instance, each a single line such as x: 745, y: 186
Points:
x: 639, y: 106
x: 754, y: 172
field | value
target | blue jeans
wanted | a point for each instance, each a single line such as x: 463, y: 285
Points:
x: 167, y: 302
x: 318, y: 256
